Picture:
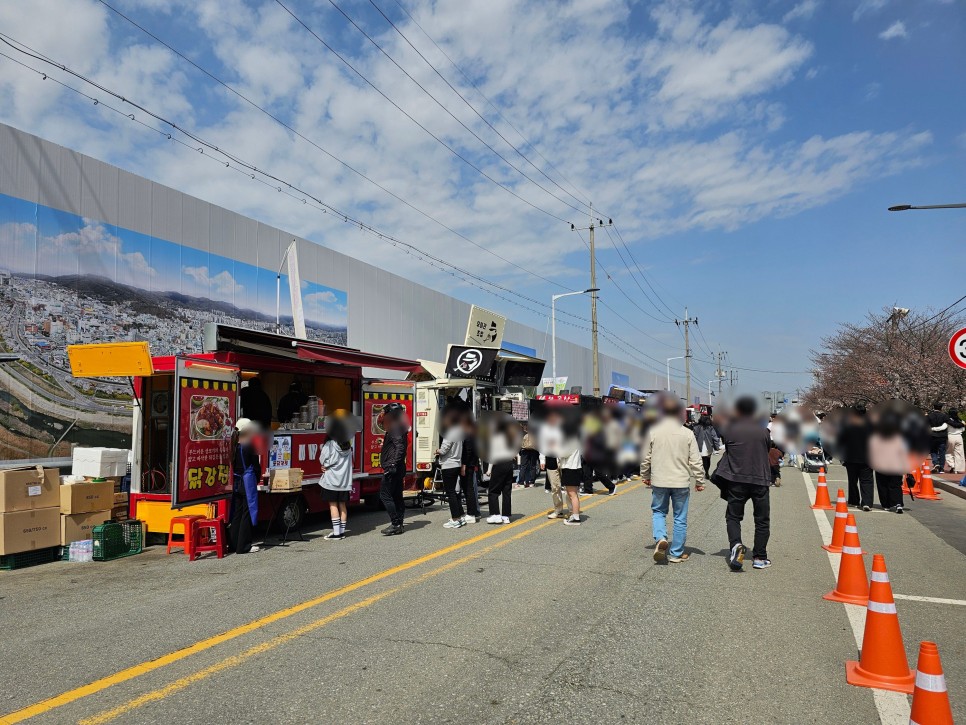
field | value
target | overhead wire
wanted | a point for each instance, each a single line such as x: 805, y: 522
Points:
x: 322, y: 149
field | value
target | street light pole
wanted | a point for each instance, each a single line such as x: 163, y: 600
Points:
x: 278, y: 290
x: 679, y: 357
x: 553, y: 327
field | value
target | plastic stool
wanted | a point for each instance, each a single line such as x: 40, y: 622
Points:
x: 185, y: 522
x: 215, y: 538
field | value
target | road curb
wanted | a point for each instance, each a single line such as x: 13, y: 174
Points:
x: 949, y: 487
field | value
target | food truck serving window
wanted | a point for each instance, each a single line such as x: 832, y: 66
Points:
x: 524, y: 374
x: 205, y: 405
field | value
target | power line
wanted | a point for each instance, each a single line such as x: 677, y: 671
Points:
x: 314, y: 144
x: 632, y: 275
x: 399, y: 108
x: 641, y: 271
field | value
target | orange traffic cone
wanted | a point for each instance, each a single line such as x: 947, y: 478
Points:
x: 853, y: 585
x: 838, y: 526
x: 930, y: 701
x: 822, y: 500
x: 926, y: 490
x: 883, y: 663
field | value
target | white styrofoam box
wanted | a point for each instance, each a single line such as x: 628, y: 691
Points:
x: 100, y: 462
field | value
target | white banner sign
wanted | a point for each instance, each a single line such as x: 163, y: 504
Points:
x: 295, y: 290
x: 485, y: 328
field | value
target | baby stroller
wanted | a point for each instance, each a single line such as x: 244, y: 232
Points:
x: 813, y: 457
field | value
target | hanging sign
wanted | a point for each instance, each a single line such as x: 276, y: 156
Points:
x: 485, y: 328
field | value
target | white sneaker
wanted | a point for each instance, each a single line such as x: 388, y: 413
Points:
x: 254, y: 549
x: 504, y: 519
x: 556, y: 515
x: 454, y: 524
x: 496, y: 519
x: 573, y: 521
x: 470, y: 519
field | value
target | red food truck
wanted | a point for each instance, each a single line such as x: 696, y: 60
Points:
x: 186, y: 409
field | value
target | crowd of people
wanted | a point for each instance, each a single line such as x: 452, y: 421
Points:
x: 659, y: 442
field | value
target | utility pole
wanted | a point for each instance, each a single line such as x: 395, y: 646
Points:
x: 720, y: 374
x: 594, y: 223
x: 687, y: 322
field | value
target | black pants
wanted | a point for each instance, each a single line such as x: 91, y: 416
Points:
x: 860, y: 484
x: 529, y: 466
x: 595, y: 471
x: 451, y: 477
x: 240, y: 531
x: 501, y: 484
x: 468, y: 490
x: 391, y: 495
x: 738, y: 494
x: 890, y: 489
x: 706, y: 462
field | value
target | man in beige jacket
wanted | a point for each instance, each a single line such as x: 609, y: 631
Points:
x: 669, y: 460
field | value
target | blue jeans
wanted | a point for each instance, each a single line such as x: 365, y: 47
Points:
x: 677, y: 498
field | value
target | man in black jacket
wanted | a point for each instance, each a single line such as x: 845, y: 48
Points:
x: 939, y: 437
x: 744, y: 473
x: 393, y: 463
x: 853, y: 446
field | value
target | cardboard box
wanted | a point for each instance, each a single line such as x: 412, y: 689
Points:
x: 29, y: 530
x: 120, y: 498
x: 80, y: 527
x: 285, y: 479
x: 29, y: 488
x: 82, y: 498
x: 119, y: 513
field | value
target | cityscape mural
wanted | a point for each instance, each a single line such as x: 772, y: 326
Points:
x: 66, y: 279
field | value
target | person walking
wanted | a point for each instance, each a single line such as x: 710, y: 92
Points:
x: 955, y: 460
x: 549, y: 440
x: 853, y: 445
x: 669, y: 459
x: 708, y: 442
x: 450, y: 461
x: 889, y: 458
x: 939, y: 435
x: 529, y: 459
x: 744, y: 474
x: 393, y: 462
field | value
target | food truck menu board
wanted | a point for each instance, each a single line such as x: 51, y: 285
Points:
x: 373, y: 430
x: 204, y: 408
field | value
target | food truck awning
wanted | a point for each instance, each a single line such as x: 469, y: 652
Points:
x: 236, y: 339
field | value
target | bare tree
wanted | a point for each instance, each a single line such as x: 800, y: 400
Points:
x: 889, y: 357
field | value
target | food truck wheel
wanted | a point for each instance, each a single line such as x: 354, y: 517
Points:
x: 293, y: 513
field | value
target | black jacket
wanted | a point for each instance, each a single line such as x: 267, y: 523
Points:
x: 469, y: 457
x: 854, y: 443
x: 745, y: 459
x: 938, y: 419
x: 393, y: 457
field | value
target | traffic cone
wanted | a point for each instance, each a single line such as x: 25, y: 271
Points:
x: 930, y: 701
x: 883, y: 662
x: 822, y: 501
x: 838, y: 526
x: 853, y: 584
x: 926, y: 490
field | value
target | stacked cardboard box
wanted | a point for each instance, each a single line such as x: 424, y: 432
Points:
x: 285, y: 479
x: 29, y: 510
x: 82, y: 507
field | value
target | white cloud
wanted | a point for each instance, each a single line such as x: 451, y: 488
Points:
x: 872, y: 91
x: 223, y: 284
x: 320, y: 298
x: 896, y: 30
x: 802, y: 11
x: 868, y: 7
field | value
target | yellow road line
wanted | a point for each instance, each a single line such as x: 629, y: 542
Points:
x: 130, y: 673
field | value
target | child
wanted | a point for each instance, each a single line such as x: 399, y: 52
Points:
x: 336, y: 461
x: 775, y: 461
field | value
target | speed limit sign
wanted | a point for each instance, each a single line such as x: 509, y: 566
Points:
x: 957, y: 348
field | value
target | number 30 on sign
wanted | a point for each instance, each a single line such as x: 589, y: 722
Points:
x: 957, y: 348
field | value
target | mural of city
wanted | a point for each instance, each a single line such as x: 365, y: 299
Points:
x: 66, y: 279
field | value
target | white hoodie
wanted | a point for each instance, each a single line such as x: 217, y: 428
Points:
x: 338, y: 467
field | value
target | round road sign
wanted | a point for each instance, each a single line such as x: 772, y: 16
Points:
x: 957, y: 348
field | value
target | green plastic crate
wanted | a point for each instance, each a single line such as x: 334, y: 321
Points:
x: 114, y: 540
x: 30, y: 558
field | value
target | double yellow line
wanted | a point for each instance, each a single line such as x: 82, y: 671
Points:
x: 130, y: 673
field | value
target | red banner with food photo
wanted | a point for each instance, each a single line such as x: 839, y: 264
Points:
x: 374, y: 431
x: 205, y: 412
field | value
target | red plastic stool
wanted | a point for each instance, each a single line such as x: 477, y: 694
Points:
x: 214, y: 540
x: 185, y: 522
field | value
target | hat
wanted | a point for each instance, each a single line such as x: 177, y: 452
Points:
x: 246, y: 425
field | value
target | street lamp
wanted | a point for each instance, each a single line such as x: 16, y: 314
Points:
x: 679, y: 357
x: 907, y: 207
x: 553, y: 327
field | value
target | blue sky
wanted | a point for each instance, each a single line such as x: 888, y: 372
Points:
x: 746, y: 150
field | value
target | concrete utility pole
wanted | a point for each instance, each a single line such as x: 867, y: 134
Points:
x: 720, y: 374
x: 687, y: 322
x: 594, y: 223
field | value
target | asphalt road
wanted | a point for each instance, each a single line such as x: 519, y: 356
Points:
x: 533, y: 622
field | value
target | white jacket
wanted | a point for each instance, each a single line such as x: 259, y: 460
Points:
x: 338, y: 467
x: 670, y: 455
